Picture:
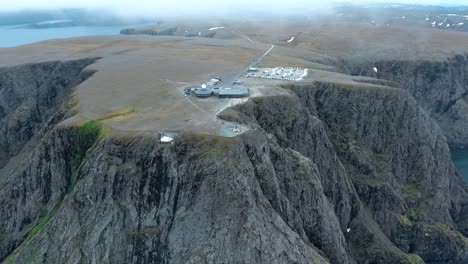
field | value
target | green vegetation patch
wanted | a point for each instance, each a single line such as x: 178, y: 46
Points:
x: 207, y: 146
x: 366, y: 245
x: 72, y: 102
x: 448, y: 232
x: 404, y: 220
x: 416, y: 214
x: 43, y: 221
x: 375, y: 251
x: 372, y: 181
x: 411, y: 190
x: 403, y: 236
x: 86, y: 135
x: 117, y: 113
x: 414, y: 259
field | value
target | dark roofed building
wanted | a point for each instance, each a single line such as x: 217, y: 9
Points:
x: 235, y: 92
x: 204, y: 92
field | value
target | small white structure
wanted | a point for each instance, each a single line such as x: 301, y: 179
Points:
x: 375, y: 69
x: 166, y: 139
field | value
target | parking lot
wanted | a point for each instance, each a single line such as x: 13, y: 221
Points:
x: 278, y: 73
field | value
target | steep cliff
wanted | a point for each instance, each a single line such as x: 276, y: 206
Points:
x: 440, y: 88
x: 197, y: 201
x: 33, y: 99
x: 330, y: 174
x: 396, y: 157
x: 30, y: 97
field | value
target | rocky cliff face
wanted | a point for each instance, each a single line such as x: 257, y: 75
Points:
x: 397, y: 159
x: 439, y: 87
x: 32, y: 101
x: 30, y: 96
x: 330, y: 174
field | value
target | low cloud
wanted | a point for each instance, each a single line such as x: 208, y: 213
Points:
x: 201, y: 7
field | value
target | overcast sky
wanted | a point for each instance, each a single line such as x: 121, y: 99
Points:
x: 158, y: 6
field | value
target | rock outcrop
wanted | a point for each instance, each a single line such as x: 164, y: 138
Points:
x: 395, y: 155
x: 34, y: 98
x: 30, y: 97
x: 439, y: 87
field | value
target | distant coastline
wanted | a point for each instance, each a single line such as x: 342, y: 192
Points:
x: 16, y: 35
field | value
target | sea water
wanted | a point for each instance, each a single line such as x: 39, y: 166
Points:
x: 460, y: 159
x: 10, y: 36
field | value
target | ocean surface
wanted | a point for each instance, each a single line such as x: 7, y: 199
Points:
x: 460, y: 159
x: 11, y: 36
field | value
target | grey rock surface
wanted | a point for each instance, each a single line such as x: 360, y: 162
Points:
x: 30, y: 96
x: 394, y: 154
x: 439, y: 87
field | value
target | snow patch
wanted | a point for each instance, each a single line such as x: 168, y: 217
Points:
x: 51, y: 22
x: 375, y: 69
x: 215, y: 28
